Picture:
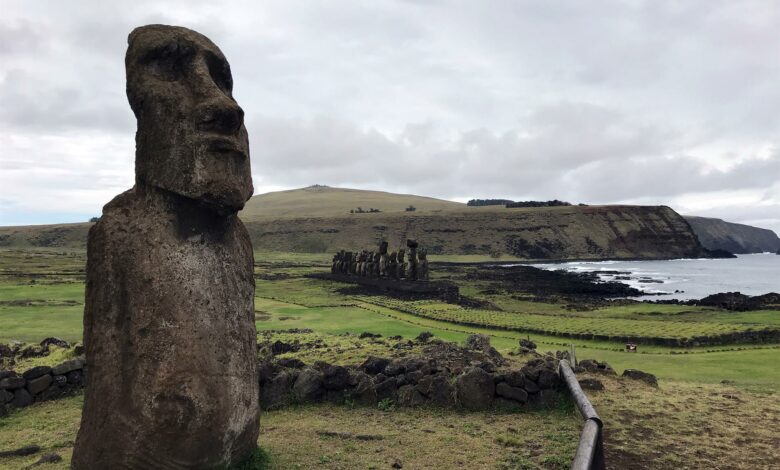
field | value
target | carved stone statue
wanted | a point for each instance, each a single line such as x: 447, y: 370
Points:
x: 392, y: 266
x: 422, y: 267
x: 411, y: 269
x: 382, y: 259
x: 169, y: 317
x: 401, y: 264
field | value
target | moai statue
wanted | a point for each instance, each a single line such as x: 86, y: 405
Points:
x: 169, y: 317
x: 353, y: 265
x: 401, y: 264
x: 361, y: 261
x: 334, y: 264
x: 411, y: 268
x: 342, y: 258
x: 382, y: 272
x: 422, y: 267
x: 348, y: 262
x: 392, y: 266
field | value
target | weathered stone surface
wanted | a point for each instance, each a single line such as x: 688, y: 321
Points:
x: 386, y: 389
x: 75, y: 377
x: 645, y: 377
x: 36, y: 372
x: 21, y: 398
x: 60, y: 380
x: 548, y: 379
x: 6, y: 396
x: 4, y: 374
x: 591, y: 365
x: 67, y: 366
x: 39, y: 384
x: 374, y: 365
x: 363, y: 392
x: 335, y: 377
x: 442, y: 392
x: 505, y: 390
x: 12, y: 383
x: 308, y: 386
x: 590, y: 384
x: 169, y: 317
x: 277, y: 392
x: 475, y: 389
x: 515, y: 378
x: 409, y: 396
x: 54, y: 341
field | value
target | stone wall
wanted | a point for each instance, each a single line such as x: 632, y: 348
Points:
x: 40, y: 383
x: 409, y: 382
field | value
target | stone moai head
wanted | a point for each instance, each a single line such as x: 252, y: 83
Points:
x: 191, y: 138
x: 412, y: 244
x: 383, y: 248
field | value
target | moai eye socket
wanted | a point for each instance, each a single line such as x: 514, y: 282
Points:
x: 219, y: 70
x: 169, y: 62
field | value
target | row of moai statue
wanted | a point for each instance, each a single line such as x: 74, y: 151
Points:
x: 383, y: 265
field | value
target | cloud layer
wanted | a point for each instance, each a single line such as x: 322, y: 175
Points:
x: 653, y: 102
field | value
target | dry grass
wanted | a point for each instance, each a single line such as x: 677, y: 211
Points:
x: 682, y: 425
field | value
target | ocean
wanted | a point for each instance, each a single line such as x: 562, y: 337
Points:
x: 687, y: 278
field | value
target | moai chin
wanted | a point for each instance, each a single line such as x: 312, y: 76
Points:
x: 169, y: 317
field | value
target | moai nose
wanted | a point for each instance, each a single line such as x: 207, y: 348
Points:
x: 222, y: 115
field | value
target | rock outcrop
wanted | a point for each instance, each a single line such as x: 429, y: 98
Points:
x: 168, y: 320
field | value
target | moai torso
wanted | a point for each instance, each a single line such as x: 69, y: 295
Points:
x: 401, y: 264
x: 169, y: 317
x: 422, y: 266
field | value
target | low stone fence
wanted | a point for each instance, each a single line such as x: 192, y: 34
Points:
x: 40, y: 383
x: 409, y: 382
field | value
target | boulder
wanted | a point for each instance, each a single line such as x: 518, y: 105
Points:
x: 5, y: 396
x: 363, y: 392
x: 36, y: 372
x: 515, y: 378
x: 645, y: 377
x: 291, y: 363
x: 75, y: 377
x: 386, y: 389
x: 475, y: 389
x: 4, y: 374
x: 277, y: 392
x: 22, y: 398
x: 517, y: 394
x: 424, y: 336
x: 54, y: 341
x: 528, y: 344
x: 39, y: 384
x: 374, y: 365
x: 591, y: 365
x: 395, y: 367
x: 588, y: 383
x: 12, y: 383
x: 68, y: 366
x: 335, y: 377
x: 308, y: 386
x: 60, y: 381
x: 548, y: 379
x: 409, y: 396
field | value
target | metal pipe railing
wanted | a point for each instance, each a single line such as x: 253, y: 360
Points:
x: 590, y: 451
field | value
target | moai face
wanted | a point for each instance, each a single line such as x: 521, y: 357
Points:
x: 191, y: 138
x: 383, y: 248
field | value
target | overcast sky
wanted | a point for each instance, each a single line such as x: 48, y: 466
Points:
x: 645, y: 102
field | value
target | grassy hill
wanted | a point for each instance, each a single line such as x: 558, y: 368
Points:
x: 318, y: 219
x: 324, y: 201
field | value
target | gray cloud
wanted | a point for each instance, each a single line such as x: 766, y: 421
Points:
x: 650, y: 101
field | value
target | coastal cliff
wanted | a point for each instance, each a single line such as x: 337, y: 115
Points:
x: 717, y: 234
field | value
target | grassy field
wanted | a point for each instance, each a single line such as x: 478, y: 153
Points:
x: 692, y: 420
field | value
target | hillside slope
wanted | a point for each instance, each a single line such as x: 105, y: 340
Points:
x: 573, y: 232
x: 318, y: 219
x: 324, y: 201
x: 717, y: 234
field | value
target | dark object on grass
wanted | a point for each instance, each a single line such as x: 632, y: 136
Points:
x: 21, y: 452
x: 645, y: 377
